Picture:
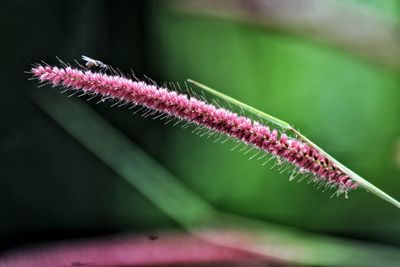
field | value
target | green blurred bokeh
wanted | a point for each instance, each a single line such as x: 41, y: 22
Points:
x: 344, y: 104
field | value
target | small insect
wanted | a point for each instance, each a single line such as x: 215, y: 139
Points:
x: 91, y: 63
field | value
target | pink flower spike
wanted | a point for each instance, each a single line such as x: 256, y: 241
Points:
x: 275, y: 142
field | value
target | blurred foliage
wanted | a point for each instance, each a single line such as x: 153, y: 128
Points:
x: 51, y: 187
x: 271, y: 242
x: 347, y: 106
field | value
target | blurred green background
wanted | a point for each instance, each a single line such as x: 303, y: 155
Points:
x: 342, y: 92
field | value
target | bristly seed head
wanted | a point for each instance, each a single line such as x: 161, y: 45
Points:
x: 278, y: 144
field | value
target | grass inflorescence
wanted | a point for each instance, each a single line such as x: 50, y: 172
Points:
x: 163, y: 103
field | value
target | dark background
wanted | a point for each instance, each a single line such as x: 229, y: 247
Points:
x: 47, y: 194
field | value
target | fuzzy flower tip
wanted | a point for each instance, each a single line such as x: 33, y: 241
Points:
x: 304, y: 156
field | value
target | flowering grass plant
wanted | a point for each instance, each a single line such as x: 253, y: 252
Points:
x: 265, y: 133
